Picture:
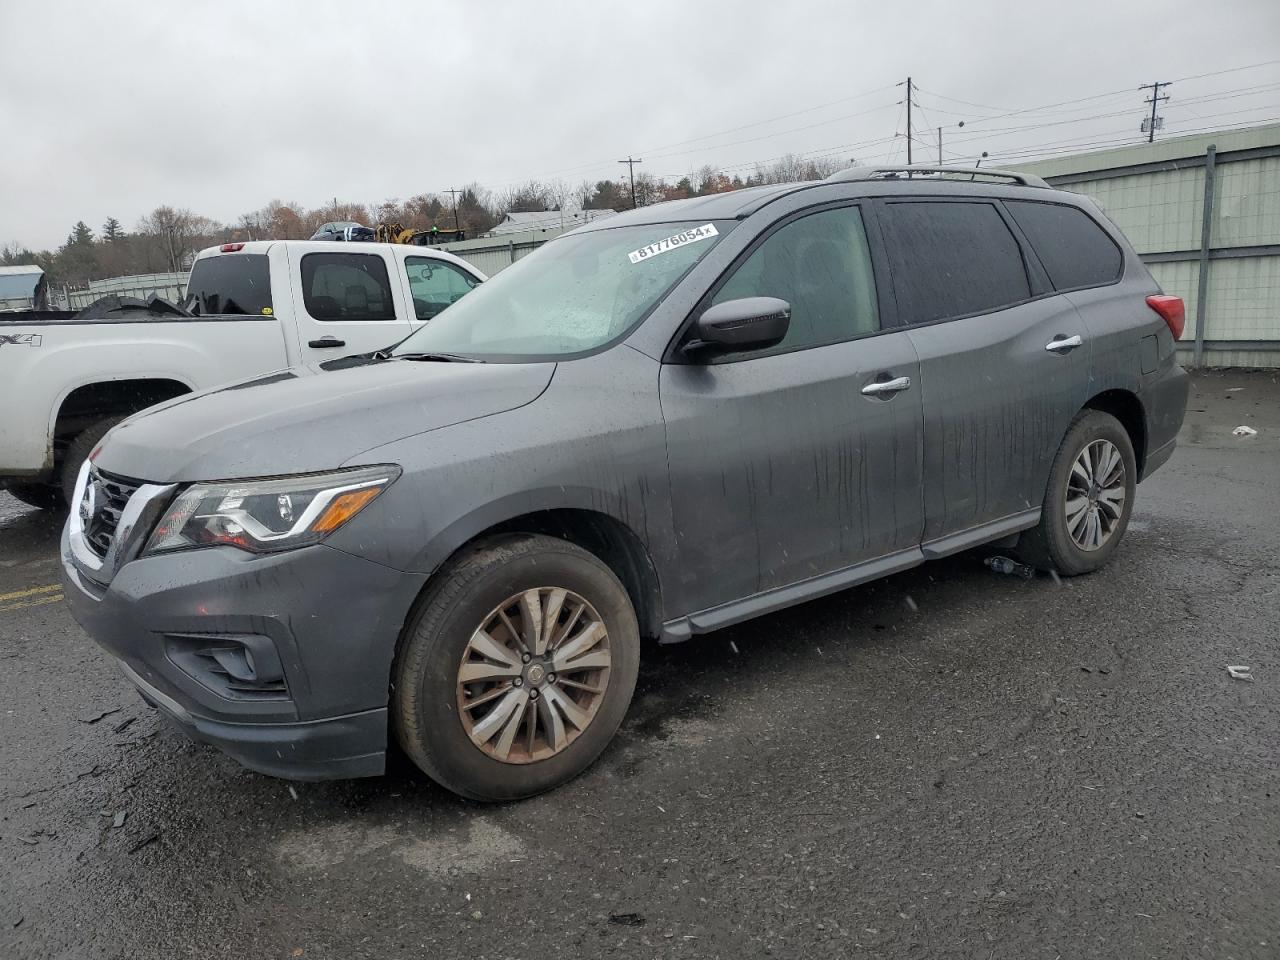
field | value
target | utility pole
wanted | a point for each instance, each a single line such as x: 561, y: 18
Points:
x: 908, y: 121
x: 939, y: 146
x: 1149, y: 125
x: 454, y: 194
x: 631, y: 167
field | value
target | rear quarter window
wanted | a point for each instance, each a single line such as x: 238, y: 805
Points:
x: 1075, y: 251
x: 230, y: 283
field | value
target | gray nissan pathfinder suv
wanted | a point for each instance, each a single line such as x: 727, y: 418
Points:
x: 660, y: 424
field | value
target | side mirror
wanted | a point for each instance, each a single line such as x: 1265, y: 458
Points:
x: 751, y: 323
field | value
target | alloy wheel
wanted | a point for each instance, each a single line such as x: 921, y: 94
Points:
x: 533, y: 675
x: 1095, y: 495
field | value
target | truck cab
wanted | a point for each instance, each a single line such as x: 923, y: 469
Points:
x: 250, y: 308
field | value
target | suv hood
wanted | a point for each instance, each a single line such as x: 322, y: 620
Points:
x: 305, y: 420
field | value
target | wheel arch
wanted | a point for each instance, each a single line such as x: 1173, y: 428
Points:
x: 606, y: 537
x: 1126, y: 407
x: 95, y: 399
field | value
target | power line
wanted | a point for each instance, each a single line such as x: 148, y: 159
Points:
x: 785, y: 116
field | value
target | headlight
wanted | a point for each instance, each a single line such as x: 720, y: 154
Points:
x: 263, y: 516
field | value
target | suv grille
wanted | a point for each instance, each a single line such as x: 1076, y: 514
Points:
x: 112, y: 494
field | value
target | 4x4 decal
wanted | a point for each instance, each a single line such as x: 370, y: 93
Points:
x: 20, y: 339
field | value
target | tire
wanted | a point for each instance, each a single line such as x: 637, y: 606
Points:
x: 44, y: 496
x: 432, y: 721
x: 78, y: 452
x: 1071, y: 546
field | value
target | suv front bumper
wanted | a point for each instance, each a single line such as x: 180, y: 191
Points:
x: 323, y: 621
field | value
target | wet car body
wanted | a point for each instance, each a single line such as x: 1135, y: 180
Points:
x: 716, y: 486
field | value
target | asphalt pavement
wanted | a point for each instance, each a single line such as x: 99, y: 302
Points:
x: 948, y: 763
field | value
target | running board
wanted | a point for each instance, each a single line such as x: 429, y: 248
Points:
x: 779, y: 598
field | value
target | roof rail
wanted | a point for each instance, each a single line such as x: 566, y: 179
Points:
x: 905, y: 172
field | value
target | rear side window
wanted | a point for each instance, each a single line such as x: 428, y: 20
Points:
x: 346, y: 286
x: 952, y: 260
x: 230, y: 283
x: 1075, y: 251
x: 820, y: 264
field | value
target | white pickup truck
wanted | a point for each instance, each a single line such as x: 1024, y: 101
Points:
x: 251, y: 308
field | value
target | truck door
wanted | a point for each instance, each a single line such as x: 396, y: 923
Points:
x: 347, y: 302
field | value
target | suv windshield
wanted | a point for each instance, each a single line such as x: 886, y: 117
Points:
x: 573, y: 295
x: 233, y: 283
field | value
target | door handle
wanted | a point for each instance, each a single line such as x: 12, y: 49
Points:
x: 1061, y: 344
x: 324, y: 342
x: 886, y: 388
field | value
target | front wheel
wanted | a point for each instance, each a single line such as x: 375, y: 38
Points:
x: 1088, y: 500
x: 516, y: 669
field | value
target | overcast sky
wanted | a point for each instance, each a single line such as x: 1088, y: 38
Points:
x: 112, y: 108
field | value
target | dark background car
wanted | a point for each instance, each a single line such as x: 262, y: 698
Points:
x: 343, y: 230
x: 685, y: 416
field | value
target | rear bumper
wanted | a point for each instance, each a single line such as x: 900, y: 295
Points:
x: 1165, y: 401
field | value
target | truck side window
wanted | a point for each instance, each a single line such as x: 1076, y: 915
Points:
x: 346, y: 286
x: 435, y: 284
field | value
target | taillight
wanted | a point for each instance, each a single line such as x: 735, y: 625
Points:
x: 231, y: 248
x: 1172, y: 310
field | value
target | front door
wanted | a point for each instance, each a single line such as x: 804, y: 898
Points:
x: 1004, y: 363
x: 802, y: 459
x: 348, y: 303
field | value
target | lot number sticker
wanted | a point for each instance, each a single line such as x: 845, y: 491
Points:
x: 670, y: 243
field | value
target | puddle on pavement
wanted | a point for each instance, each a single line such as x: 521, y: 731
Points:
x: 481, y: 845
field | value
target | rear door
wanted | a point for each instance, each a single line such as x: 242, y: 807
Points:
x: 1004, y: 362
x: 345, y: 301
x: 802, y: 459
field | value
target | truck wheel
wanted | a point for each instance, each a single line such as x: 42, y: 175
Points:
x: 1088, y: 500
x: 44, y: 496
x: 78, y: 452
x: 515, y: 669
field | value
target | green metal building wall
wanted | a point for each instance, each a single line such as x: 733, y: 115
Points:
x: 1156, y: 193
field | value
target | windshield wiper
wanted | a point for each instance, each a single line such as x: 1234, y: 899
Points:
x: 435, y: 357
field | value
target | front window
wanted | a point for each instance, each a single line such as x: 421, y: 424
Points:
x: 435, y: 284
x: 571, y: 296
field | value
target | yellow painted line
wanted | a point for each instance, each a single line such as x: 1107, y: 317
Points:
x: 19, y: 594
x: 5, y: 608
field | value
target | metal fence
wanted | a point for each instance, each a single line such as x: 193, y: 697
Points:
x: 492, y: 254
x: 1204, y: 214
x: 171, y: 286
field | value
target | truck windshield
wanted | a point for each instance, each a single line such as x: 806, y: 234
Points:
x: 573, y: 295
x: 230, y: 283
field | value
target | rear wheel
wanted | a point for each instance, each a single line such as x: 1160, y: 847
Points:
x: 1088, y: 500
x: 516, y: 669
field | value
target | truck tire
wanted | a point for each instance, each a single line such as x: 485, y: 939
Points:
x: 78, y: 452
x: 1088, y: 499
x: 44, y: 496
x: 516, y: 668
